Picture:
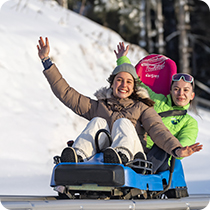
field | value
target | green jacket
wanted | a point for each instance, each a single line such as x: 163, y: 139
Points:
x: 184, y: 127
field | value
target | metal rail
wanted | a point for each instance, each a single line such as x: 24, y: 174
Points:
x: 194, y: 202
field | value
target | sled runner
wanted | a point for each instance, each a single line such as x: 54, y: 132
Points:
x: 96, y: 179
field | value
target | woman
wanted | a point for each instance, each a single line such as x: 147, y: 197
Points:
x: 122, y: 109
x: 183, y: 127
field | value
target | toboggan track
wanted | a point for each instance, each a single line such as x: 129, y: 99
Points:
x: 193, y: 202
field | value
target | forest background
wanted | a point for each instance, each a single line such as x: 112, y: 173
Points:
x: 176, y: 28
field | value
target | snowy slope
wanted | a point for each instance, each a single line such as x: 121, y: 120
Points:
x: 34, y: 124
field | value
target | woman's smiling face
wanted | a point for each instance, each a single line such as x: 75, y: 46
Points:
x: 182, y: 93
x: 123, y: 85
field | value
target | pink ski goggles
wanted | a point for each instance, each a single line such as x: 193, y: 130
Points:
x: 184, y: 76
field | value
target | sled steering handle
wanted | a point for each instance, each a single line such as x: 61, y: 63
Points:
x: 96, y: 138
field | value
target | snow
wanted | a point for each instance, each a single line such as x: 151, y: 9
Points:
x: 35, y: 126
x: 207, y: 2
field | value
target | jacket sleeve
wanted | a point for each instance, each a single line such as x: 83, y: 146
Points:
x: 122, y: 60
x: 188, y: 134
x: 154, y: 96
x: 158, y: 132
x: 78, y: 103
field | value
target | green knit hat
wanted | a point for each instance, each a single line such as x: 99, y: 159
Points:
x: 126, y: 67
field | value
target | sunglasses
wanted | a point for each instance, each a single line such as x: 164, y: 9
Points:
x: 184, y: 76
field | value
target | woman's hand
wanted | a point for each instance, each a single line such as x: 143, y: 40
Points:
x: 43, y: 48
x: 121, y: 50
x: 189, y: 150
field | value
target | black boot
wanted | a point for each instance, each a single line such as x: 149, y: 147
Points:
x: 123, y: 157
x: 111, y: 156
x: 69, y: 155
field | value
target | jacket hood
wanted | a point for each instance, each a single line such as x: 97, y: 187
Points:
x: 105, y: 93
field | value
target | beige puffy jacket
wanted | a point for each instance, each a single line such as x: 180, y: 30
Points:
x: 143, y: 117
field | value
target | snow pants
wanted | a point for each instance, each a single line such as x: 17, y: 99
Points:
x: 124, y: 138
x: 159, y: 158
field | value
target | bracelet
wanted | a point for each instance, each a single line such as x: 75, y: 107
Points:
x: 46, y: 58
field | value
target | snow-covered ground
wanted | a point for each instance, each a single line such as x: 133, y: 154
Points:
x: 35, y: 126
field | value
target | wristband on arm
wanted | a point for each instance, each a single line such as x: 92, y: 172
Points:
x: 47, y: 63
